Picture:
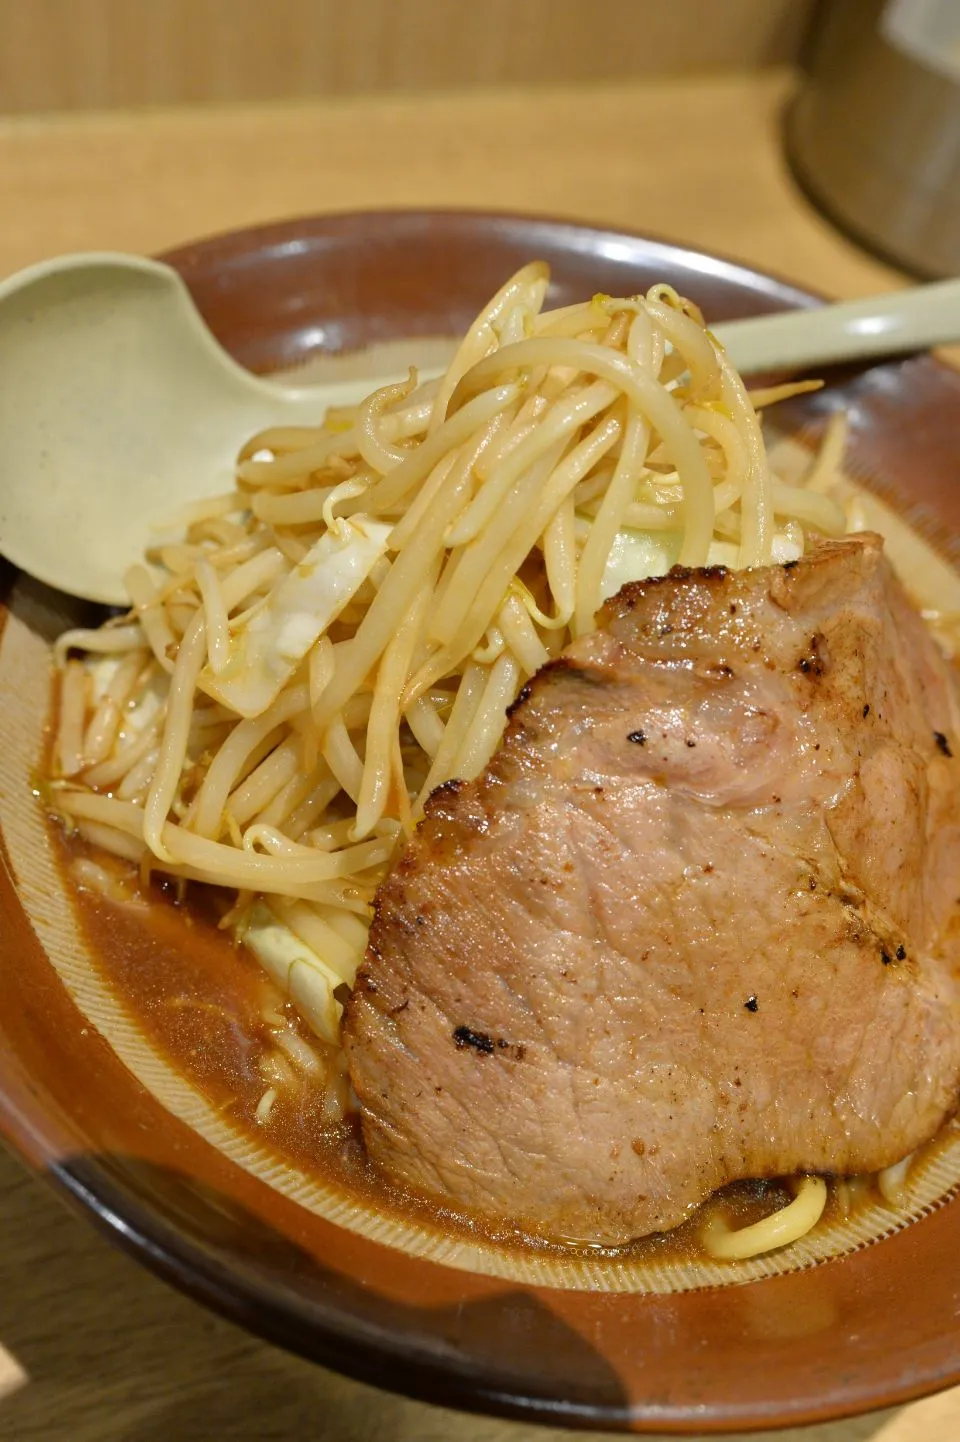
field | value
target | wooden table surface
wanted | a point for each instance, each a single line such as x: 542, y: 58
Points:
x: 93, y: 1348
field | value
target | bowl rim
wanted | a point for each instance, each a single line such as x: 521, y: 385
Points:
x: 348, y: 1344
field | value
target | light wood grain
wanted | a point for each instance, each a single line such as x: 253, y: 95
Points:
x: 110, y: 1354
x: 65, y: 54
x: 697, y: 160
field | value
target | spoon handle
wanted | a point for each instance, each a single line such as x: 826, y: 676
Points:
x: 907, y: 320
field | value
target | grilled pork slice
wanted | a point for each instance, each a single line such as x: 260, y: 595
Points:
x: 698, y: 920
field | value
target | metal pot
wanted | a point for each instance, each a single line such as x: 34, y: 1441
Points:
x: 874, y: 134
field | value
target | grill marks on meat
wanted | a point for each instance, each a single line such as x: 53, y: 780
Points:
x: 698, y: 920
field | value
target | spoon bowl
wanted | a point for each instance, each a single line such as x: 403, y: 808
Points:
x: 118, y: 407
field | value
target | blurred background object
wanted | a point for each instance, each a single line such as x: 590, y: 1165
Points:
x: 101, y: 54
x: 875, y: 133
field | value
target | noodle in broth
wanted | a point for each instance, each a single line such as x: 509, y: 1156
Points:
x: 346, y: 628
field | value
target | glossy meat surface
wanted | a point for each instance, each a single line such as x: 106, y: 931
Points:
x: 698, y: 921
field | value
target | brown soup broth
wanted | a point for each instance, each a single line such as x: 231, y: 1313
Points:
x: 200, y: 997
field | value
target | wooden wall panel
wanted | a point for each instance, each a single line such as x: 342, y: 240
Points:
x: 92, y: 54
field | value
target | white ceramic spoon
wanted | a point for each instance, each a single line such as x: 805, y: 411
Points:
x: 117, y: 406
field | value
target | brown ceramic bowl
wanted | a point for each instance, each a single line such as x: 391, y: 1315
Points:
x: 873, y: 1328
